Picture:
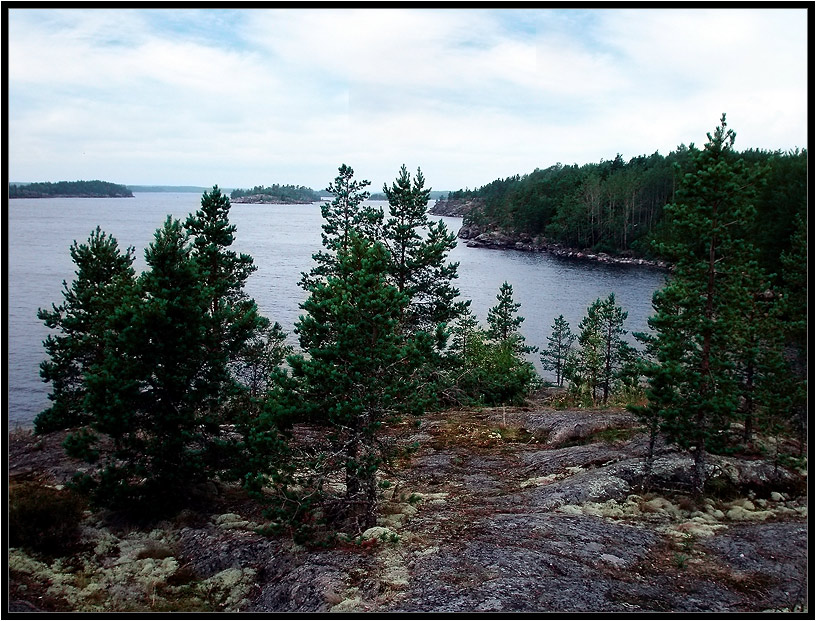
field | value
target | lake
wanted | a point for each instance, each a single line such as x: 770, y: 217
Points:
x: 281, y: 239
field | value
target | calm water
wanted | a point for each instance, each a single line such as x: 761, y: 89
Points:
x: 281, y: 239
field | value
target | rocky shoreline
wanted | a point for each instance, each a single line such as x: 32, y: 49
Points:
x: 489, y: 236
x: 265, y: 199
x: 455, y: 208
x: 482, y: 237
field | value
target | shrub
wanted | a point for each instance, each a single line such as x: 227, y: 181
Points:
x: 44, y: 519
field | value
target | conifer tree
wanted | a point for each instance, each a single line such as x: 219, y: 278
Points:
x: 793, y: 311
x: 611, y: 318
x: 356, y: 371
x: 146, y: 393
x: 232, y: 317
x: 693, y: 389
x: 504, y: 322
x: 587, y: 364
x: 103, y: 275
x: 559, y: 345
x: 419, y: 250
x: 343, y: 216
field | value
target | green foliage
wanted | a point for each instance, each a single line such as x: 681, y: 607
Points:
x: 504, y: 323
x: 694, y: 383
x: 43, y: 519
x: 68, y: 188
x: 360, y: 368
x: 167, y: 353
x: 80, y: 445
x: 344, y: 215
x: 146, y: 393
x: 103, y: 276
x: 419, y: 250
x: 232, y: 319
x: 280, y: 193
x: 485, y: 370
x: 604, y: 361
x: 616, y: 206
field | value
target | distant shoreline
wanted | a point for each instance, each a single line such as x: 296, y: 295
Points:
x: 36, y: 196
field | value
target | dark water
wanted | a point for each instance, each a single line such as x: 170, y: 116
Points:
x: 281, y: 239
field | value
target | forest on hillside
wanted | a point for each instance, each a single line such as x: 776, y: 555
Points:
x: 47, y: 189
x: 615, y: 206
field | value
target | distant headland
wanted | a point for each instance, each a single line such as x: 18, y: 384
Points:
x: 69, y: 189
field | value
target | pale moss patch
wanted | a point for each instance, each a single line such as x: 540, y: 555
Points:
x: 539, y: 481
x: 570, y: 509
x: 352, y: 603
x: 381, y: 533
x: 436, y: 498
x: 233, y: 521
x: 690, y: 530
x: 228, y: 589
x: 741, y: 514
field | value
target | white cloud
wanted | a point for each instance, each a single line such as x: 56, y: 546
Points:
x: 262, y: 96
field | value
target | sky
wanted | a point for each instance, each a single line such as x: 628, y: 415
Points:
x: 252, y: 97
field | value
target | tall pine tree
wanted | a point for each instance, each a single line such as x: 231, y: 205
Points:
x: 146, y: 394
x: 103, y: 275
x: 693, y: 389
x: 559, y: 345
x: 357, y: 369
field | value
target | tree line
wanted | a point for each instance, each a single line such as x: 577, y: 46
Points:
x: 282, y: 193
x: 68, y: 188
x: 172, y: 377
x: 616, y: 206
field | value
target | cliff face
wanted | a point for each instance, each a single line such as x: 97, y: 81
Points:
x: 455, y: 208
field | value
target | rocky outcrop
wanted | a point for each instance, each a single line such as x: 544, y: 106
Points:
x: 456, y: 207
x: 491, y: 513
x: 478, y: 236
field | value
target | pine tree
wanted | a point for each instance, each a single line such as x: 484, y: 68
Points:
x: 504, y: 323
x: 103, y: 275
x: 146, y: 393
x: 586, y: 367
x: 419, y: 250
x: 343, y: 216
x: 559, y: 345
x: 611, y: 318
x: 793, y: 311
x: 356, y: 370
x: 693, y: 389
x: 232, y: 316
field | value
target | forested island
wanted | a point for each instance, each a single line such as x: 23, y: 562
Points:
x: 168, y: 188
x: 617, y: 207
x: 275, y: 194
x: 406, y: 456
x: 69, y: 189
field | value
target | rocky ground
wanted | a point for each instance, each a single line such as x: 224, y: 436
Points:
x: 516, y: 509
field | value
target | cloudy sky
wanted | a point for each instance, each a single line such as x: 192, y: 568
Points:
x: 247, y: 97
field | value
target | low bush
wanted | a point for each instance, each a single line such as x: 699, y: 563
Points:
x: 44, y: 519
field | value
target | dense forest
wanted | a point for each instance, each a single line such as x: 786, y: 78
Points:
x: 615, y: 206
x: 171, y: 378
x: 278, y: 194
x: 85, y: 189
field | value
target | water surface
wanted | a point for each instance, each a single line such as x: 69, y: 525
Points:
x: 281, y: 239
